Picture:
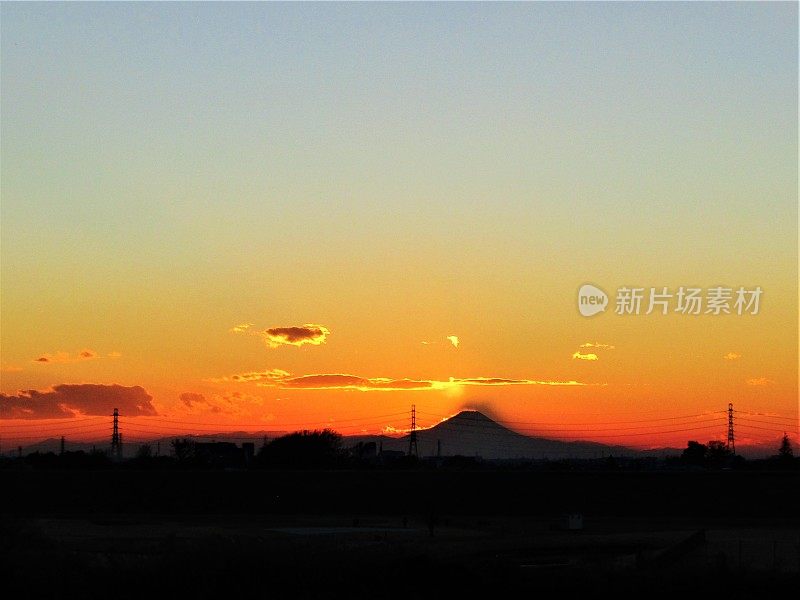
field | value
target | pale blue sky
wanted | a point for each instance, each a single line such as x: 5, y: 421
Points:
x: 203, y: 164
x: 462, y: 102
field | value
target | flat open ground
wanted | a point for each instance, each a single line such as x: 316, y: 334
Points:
x: 228, y: 544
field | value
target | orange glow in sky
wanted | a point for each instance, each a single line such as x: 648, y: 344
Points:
x: 281, y: 217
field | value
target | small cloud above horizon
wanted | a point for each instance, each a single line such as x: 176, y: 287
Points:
x: 590, y: 356
x: 309, y: 333
x: 453, y: 340
x: 732, y: 356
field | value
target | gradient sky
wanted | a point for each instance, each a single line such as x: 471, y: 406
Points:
x: 399, y: 173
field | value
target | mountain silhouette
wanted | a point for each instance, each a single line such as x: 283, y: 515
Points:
x: 471, y: 433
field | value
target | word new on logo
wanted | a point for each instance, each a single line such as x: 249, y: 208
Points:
x: 591, y: 300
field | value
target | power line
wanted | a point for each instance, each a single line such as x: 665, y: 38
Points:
x: 164, y: 430
x: 159, y: 421
x: 98, y: 432
x: 297, y: 424
x: 769, y: 416
x: 212, y: 429
x: 150, y: 426
x: 63, y: 428
x: 763, y: 428
x: 49, y: 422
x: 745, y: 419
x: 590, y: 423
x: 535, y: 425
x: 490, y: 430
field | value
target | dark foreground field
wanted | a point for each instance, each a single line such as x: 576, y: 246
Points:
x: 249, y: 534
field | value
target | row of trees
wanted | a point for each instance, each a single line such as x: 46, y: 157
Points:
x: 716, y: 454
x: 306, y: 449
x: 325, y: 449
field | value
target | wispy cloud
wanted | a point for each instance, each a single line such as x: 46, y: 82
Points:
x: 759, y: 381
x: 451, y: 339
x: 240, y: 328
x: 348, y: 382
x: 233, y: 403
x: 597, y: 345
x: 587, y: 356
x: 732, y: 356
x: 278, y: 378
x: 272, y: 374
x: 501, y: 381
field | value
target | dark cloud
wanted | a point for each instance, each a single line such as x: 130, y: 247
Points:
x: 73, y: 400
x: 190, y: 398
x: 351, y: 382
x: 273, y: 374
x: 62, y: 357
x: 193, y: 400
x: 295, y: 336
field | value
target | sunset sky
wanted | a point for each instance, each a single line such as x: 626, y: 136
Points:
x: 278, y: 216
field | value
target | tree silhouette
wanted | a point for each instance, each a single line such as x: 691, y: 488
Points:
x: 714, y: 454
x: 183, y: 449
x: 695, y: 453
x: 306, y: 449
x: 717, y: 453
x: 785, y: 452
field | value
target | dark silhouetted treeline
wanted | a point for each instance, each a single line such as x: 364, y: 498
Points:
x: 327, y: 450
